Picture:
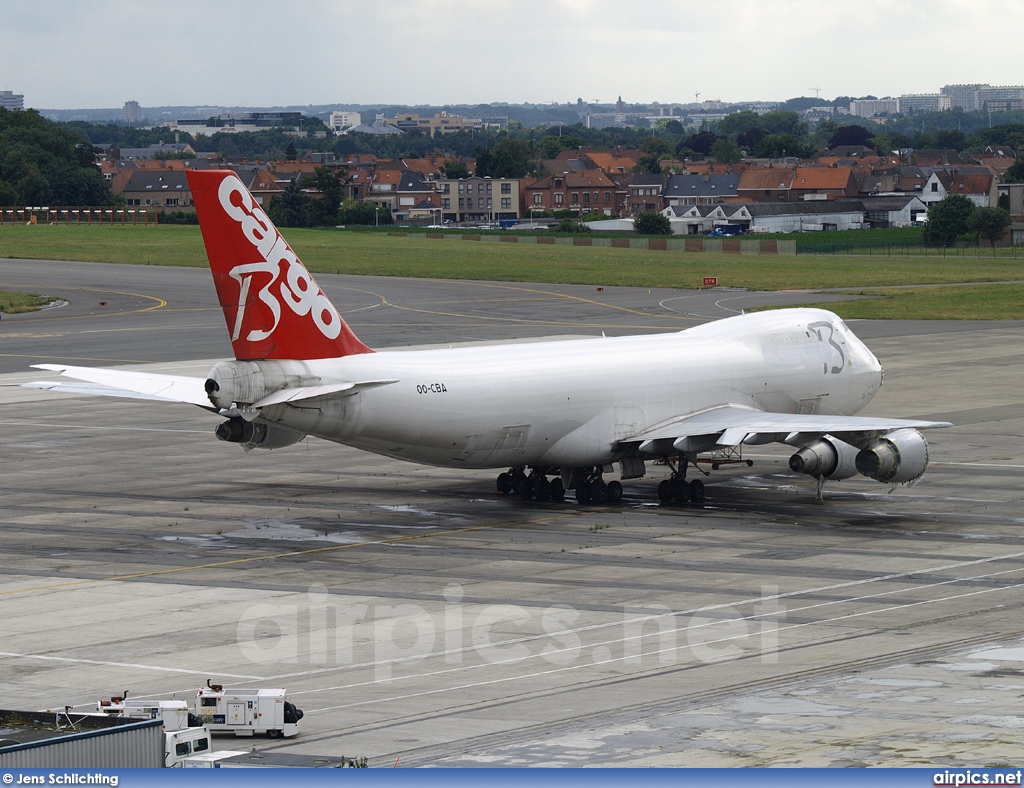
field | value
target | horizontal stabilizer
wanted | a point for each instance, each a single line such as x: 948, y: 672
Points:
x: 121, y: 383
x: 301, y: 393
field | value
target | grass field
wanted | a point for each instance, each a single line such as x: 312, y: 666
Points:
x: 376, y: 254
x: 13, y: 303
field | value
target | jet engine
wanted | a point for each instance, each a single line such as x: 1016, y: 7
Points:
x: 231, y: 383
x: 826, y: 458
x: 256, y: 436
x: 897, y: 457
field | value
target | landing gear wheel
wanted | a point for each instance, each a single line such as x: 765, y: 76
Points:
x: 665, y: 491
x: 583, y: 493
x: 504, y: 483
x: 681, y: 491
x: 696, y: 490
x: 557, y: 491
x: 526, y: 489
x: 614, y: 492
x: 598, y: 491
x: 542, y: 489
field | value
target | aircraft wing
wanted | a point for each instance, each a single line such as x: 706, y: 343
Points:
x: 122, y: 383
x: 732, y: 423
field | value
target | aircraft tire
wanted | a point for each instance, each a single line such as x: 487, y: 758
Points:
x: 542, y: 489
x: 665, y: 491
x: 583, y: 493
x: 504, y: 483
x: 526, y: 489
x: 614, y: 492
x: 557, y: 491
x: 696, y: 490
x: 599, y: 492
x: 681, y: 491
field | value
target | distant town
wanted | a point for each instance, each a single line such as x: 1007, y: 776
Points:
x: 707, y: 166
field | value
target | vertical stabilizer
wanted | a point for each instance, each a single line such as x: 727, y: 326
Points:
x: 273, y: 307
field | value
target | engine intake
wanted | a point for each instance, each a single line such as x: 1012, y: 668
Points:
x: 251, y: 435
x: 895, y: 458
x: 827, y: 458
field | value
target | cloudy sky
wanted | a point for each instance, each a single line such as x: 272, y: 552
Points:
x: 101, y: 53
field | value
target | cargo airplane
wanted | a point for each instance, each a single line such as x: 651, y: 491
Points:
x: 557, y: 415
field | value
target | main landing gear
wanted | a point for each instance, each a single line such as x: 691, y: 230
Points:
x: 535, y: 486
x: 588, y: 483
x: 593, y: 489
x: 676, y: 489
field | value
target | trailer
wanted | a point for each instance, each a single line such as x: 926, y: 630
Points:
x: 184, y: 733
x: 246, y: 712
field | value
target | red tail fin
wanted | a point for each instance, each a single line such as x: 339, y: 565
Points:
x: 273, y: 307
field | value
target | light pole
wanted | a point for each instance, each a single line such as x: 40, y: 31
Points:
x: 376, y: 214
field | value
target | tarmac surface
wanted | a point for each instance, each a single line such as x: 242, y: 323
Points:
x: 414, y: 614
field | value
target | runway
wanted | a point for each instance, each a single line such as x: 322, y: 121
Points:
x: 413, y: 614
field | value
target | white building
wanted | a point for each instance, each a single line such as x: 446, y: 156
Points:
x: 342, y: 120
x: 914, y: 103
x: 872, y: 108
x: 9, y: 100
x: 132, y: 112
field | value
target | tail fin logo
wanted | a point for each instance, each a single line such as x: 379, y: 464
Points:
x: 297, y: 290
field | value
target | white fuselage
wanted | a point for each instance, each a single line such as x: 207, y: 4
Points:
x: 570, y: 403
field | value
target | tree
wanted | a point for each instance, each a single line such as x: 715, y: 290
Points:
x: 572, y: 226
x: 508, y: 158
x: 991, y: 223
x: 324, y: 212
x: 656, y: 146
x: 951, y: 138
x: 749, y: 140
x: 648, y: 165
x: 725, y: 152
x: 550, y: 146
x: 454, y: 169
x: 739, y: 123
x: 290, y: 208
x: 42, y: 163
x: 783, y: 122
x: 1015, y: 172
x: 776, y: 146
x: 850, y: 135
x: 652, y: 223
x: 700, y: 142
x: 948, y: 219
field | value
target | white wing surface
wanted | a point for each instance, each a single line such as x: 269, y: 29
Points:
x: 121, y: 383
x: 733, y: 424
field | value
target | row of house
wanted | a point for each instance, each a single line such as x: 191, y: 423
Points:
x: 604, y: 183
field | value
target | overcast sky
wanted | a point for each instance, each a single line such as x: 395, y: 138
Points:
x: 101, y: 53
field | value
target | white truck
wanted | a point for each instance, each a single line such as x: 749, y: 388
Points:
x: 184, y: 733
x: 246, y: 712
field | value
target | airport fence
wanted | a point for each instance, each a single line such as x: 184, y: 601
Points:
x: 79, y: 215
x: 746, y: 246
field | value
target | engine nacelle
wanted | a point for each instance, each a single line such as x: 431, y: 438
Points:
x: 827, y: 458
x: 895, y: 458
x: 251, y: 435
x: 231, y: 383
